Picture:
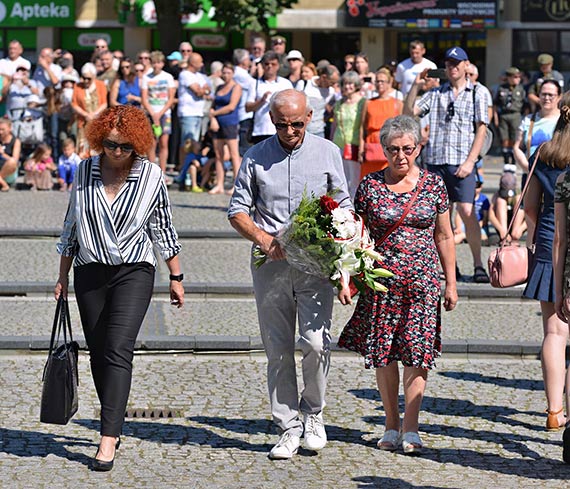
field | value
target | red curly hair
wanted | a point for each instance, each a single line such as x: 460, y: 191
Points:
x: 131, y: 123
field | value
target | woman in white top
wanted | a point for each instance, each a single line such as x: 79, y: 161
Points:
x: 118, y: 211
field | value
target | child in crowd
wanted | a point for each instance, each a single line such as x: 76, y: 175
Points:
x: 67, y: 165
x: 481, y: 207
x: 503, y: 203
x: 38, y: 168
x: 195, y: 161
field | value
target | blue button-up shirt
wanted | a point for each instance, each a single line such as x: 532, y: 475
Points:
x: 271, y: 180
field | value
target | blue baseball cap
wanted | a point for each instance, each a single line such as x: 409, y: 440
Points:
x: 456, y: 53
x: 174, y: 55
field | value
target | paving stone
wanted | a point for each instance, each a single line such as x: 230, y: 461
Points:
x: 482, y: 423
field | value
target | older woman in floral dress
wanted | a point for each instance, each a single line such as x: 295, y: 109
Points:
x: 403, y: 324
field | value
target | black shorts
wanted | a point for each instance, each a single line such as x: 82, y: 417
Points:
x: 459, y: 189
x: 226, y: 132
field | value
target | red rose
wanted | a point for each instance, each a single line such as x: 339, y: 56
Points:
x: 328, y: 204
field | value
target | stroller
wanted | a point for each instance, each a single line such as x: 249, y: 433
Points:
x: 28, y: 127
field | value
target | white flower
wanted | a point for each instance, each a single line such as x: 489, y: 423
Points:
x: 344, y: 222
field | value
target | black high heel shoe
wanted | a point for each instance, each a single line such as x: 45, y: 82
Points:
x: 102, y: 465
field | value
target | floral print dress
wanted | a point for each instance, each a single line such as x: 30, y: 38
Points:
x: 404, y: 323
x: 562, y: 195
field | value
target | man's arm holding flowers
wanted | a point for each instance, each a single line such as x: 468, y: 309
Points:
x: 245, y: 226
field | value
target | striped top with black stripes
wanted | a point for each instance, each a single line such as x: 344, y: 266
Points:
x: 96, y: 230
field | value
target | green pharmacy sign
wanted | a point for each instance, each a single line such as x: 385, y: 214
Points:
x: 29, y: 13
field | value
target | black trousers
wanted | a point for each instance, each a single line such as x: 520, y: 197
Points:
x: 112, y: 302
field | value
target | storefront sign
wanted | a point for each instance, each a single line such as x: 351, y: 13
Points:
x: 545, y: 10
x: 209, y: 41
x: 29, y: 13
x: 421, y: 14
x: 84, y: 39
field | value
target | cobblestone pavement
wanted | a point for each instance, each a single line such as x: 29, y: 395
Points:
x: 482, y: 423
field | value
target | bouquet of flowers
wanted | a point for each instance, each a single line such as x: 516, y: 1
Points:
x: 326, y: 240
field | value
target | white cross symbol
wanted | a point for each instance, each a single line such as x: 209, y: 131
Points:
x: 453, y: 52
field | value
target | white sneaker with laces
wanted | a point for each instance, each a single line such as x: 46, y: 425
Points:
x: 315, y: 434
x: 286, y: 447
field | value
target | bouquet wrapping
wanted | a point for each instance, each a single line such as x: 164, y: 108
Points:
x: 325, y: 240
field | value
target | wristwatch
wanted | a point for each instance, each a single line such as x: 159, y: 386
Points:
x: 178, y: 278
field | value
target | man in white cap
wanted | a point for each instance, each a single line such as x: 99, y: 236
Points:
x: 458, y: 118
x: 295, y: 60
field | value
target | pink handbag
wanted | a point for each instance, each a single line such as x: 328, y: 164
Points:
x: 509, y: 263
x: 508, y: 266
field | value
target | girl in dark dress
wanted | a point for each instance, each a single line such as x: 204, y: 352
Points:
x: 539, y: 209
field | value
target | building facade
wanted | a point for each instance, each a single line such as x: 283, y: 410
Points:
x: 495, y: 33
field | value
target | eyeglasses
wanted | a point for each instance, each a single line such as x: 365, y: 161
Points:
x: 548, y: 95
x: 450, y: 112
x: 278, y: 41
x: 86, y: 78
x: 381, y: 82
x: 395, y: 150
x: 297, y: 125
x: 126, y: 67
x: 139, y: 70
x: 112, y: 145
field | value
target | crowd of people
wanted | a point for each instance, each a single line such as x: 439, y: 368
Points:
x: 381, y: 138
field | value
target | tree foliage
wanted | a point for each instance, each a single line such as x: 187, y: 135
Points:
x: 239, y: 15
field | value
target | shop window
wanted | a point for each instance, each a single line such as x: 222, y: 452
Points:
x: 543, y: 41
x: 527, y: 45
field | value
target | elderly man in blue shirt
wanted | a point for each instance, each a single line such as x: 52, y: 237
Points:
x: 271, y: 181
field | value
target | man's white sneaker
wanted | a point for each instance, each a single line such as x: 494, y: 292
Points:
x: 286, y: 447
x: 315, y: 434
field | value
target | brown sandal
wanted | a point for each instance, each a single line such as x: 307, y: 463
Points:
x: 552, y: 423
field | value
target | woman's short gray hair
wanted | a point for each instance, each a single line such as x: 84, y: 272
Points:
x: 402, y: 125
x: 89, y: 69
x: 351, y: 77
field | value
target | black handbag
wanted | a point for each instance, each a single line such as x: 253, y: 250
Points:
x: 60, y: 377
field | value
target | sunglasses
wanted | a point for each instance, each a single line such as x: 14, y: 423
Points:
x: 139, y: 70
x: 86, y: 78
x: 112, y: 145
x: 295, y: 125
x: 395, y: 150
x: 277, y: 42
x: 450, y: 112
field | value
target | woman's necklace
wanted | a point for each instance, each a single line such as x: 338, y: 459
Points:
x: 114, y: 178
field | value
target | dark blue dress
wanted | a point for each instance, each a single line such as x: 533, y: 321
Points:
x: 540, y: 285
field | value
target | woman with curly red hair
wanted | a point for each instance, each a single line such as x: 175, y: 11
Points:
x: 118, y: 209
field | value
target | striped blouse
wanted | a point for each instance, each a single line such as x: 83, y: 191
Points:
x: 123, y: 231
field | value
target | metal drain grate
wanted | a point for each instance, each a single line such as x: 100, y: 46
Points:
x: 147, y: 413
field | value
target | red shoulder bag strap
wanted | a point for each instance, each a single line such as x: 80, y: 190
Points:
x: 409, y: 205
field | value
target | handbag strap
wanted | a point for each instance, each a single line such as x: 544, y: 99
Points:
x: 56, y: 324
x: 409, y: 205
x: 529, y: 138
x: 519, y: 202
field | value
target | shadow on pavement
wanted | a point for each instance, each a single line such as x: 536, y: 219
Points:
x: 456, y: 407
x: 203, y: 207
x: 370, y: 481
x: 526, y: 384
x: 190, y: 435
x: 22, y: 443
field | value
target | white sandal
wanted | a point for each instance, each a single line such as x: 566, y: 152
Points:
x: 389, y: 441
x: 412, y: 443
